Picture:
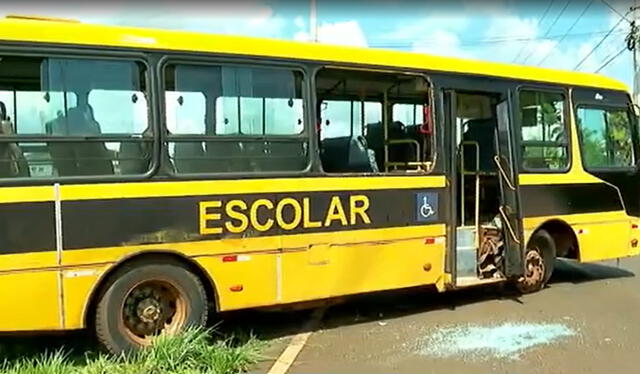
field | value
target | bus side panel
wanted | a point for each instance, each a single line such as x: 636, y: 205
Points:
x: 29, y: 284
x: 78, y: 284
x: 404, y: 263
x: 29, y: 301
x: 601, y: 236
x: 250, y: 281
x: 604, y: 241
x: 363, y: 261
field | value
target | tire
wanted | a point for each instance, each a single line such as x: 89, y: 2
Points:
x: 539, y: 261
x: 141, y: 294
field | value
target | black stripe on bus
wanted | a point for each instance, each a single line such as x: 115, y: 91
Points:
x: 119, y: 222
x: 560, y: 199
x: 27, y: 227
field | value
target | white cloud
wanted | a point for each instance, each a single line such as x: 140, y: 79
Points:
x: 436, y: 34
x: 441, y: 42
x: 338, y: 33
x: 423, y: 26
x: 511, y: 27
x: 242, y: 17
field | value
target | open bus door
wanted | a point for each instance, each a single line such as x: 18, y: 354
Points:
x: 510, y: 213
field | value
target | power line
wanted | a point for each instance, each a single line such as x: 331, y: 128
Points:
x: 611, y: 59
x: 408, y: 43
x: 566, y: 33
x: 615, y: 10
x: 598, y: 45
x: 550, y: 27
x: 546, y: 11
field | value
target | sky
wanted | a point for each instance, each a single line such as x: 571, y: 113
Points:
x: 550, y: 33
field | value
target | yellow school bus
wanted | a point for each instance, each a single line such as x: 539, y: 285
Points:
x: 149, y: 177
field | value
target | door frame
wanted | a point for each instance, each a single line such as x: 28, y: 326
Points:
x: 510, y: 206
x: 449, y: 109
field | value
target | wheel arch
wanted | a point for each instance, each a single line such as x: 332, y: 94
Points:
x: 564, y: 237
x: 207, y: 281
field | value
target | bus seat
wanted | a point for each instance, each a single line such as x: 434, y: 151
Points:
x: 481, y: 131
x: 134, y: 158
x: 79, y: 158
x: 347, y: 154
x: 375, y: 140
x: 62, y: 154
x: 189, y: 157
x: 12, y: 161
x: 226, y: 156
x: 255, y: 156
x: 284, y: 156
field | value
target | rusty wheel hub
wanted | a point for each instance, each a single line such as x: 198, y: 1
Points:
x: 150, y: 308
x: 534, y: 270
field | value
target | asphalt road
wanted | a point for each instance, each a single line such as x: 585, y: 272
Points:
x: 586, y: 321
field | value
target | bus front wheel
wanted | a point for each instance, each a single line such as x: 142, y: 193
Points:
x: 145, y: 299
x: 538, y: 262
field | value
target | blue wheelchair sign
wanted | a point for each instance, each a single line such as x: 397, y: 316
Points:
x: 426, y: 206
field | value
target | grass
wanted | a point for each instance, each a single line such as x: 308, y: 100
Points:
x: 195, y: 351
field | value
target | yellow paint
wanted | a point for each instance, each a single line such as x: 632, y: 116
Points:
x: 342, y: 263
x: 145, y: 189
x: 307, y: 222
x: 377, y: 258
x: 606, y: 235
x: 169, y: 40
x: 358, y: 205
x: 257, y: 276
x: 28, y: 261
x: 206, y: 216
x: 29, y: 301
x: 78, y: 284
x: 297, y: 213
x: 335, y: 213
x: 233, y: 210
x: 262, y: 227
x: 26, y: 194
x: 209, y: 214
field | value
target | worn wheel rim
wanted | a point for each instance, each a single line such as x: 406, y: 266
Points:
x: 150, y: 308
x: 534, y: 269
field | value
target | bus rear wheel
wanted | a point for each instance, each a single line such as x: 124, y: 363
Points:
x: 145, y: 299
x: 538, y: 262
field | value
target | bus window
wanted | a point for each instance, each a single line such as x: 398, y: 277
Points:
x: 185, y: 113
x: 76, y: 102
x: 355, y: 134
x: 132, y: 116
x: 606, y: 138
x: 283, y: 116
x: 252, y: 119
x: 545, y: 144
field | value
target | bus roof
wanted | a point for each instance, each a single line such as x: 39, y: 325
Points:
x: 30, y: 29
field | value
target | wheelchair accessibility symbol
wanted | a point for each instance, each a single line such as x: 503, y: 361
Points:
x: 426, y: 206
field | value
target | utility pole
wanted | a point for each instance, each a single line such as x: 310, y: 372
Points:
x: 313, y: 21
x: 633, y: 35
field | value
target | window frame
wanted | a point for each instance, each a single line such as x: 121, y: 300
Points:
x: 634, y: 134
x: 217, y: 61
x: 29, y: 50
x: 433, y: 154
x: 566, y: 112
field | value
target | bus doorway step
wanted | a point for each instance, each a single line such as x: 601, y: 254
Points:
x: 464, y: 282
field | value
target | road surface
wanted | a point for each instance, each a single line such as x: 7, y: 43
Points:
x: 586, y: 321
